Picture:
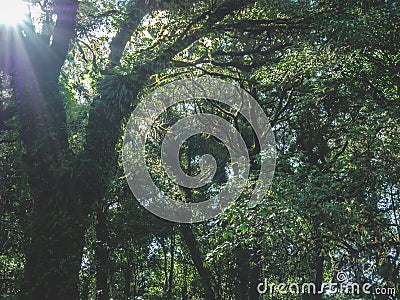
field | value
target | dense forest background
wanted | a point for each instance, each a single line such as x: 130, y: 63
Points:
x: 326, y: 73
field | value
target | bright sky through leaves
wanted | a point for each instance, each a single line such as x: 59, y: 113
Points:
x: 12, y: 12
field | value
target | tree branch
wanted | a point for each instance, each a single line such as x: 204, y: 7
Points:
x: 64, y: 30
x: 135, y: 15
x: 106, y: 116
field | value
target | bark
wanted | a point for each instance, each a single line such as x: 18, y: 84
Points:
x: 311, y: 137
x: 136, y: 278
x: 101, y: 252
x: 204, y: 273
x: 57, y: 227
x: 243, y: 258
x: 171, y: 267
x: 319, y: 261
x: 62, y: 202
x: 54, y: 257
x: 128, y: 280
x: 255, y: 277
x: 65, y: 188
x: 164, y: 251
x: 126, y: 28
x: 185, y: 285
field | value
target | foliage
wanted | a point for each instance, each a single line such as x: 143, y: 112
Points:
x: 326, y: 74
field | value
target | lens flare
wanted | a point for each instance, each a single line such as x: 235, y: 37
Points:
x: 12, y: 12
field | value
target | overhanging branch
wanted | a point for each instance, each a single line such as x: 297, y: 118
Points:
x: 64, y: 30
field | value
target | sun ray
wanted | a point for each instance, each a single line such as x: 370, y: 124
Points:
x: 12, y: 12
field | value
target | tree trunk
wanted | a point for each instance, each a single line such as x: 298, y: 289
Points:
x: 64, y: 187
x: 136, y: 278
x: 243, y: 258
x: 53, y: 258
x: 255, y: 278
x: 171, y: 267
x: 128, y: 280
x: 57, y: 225
x: 184, y: 285
x: 101, y: 252
x: 195, y: 254
x: 319, y: 262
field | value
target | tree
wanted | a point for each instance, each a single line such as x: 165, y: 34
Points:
x: 64, y: 185
x: 326, y: 74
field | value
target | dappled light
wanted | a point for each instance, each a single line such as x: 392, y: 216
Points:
x: 199, y: 149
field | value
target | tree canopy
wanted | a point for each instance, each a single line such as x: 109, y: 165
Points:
x: 325, y: 73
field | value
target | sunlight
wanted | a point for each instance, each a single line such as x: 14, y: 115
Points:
x: 12, y: 12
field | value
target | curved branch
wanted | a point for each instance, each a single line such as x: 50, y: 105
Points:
x: 64, y: 30
x: 135, y: 15
x: 106, y: 117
